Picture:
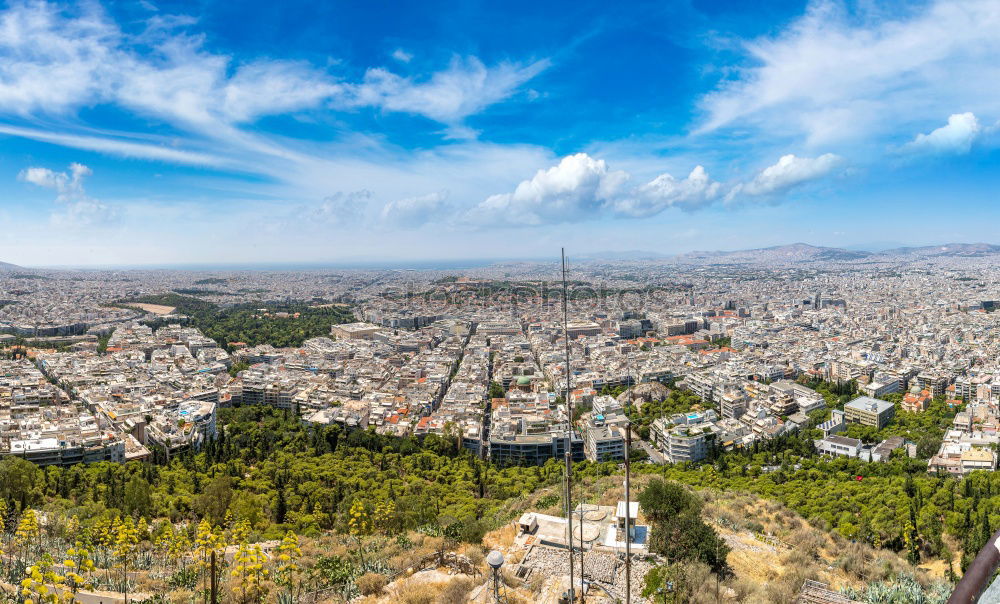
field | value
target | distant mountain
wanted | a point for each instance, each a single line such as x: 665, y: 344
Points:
x: 874, y: 246
x: 796, y: 252
x: 946, y: 250
x: 4, y: 266
x: 622, y: 255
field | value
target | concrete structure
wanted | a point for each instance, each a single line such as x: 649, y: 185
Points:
x: 868, y: 411
x: 355, y: 331
x: 839, y: 446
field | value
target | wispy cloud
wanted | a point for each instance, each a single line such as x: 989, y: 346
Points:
x: 416, y: 211
x: 115, y: 146
x: 55, y: 62
x: 837, y: 76
x: 465, y: 88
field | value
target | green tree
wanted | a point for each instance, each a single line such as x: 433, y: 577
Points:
x: 138, y: 499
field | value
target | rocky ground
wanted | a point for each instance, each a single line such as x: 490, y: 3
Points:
x: 599, y: 567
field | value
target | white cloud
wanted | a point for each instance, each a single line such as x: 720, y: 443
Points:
x: 274, y: 87
x: 415, y: 211
x: 578, y: 188
x: 790, y: 172
x: 957, y: 136
x: 465, y: 88
x: 77, y: 208
x: 116, y: 146
x: 55, y: 62
x: 583, y: 188
x: 85, y: 212
x: 402, y: 56
x: 832, y: 75
x: 665, y: 191
x: 68, y: 185
x: 341, y: 208
x: 50, y: 64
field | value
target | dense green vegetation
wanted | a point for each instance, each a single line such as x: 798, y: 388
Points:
x: 270, y: 470
x: 247, y: 323
x: 677, y: 531
x: 210, y: 281
x: 894, y: 504
x: 496, y: 390
x: 836, y: 394
x: 194, y: 291
x: 723, y: 342
x: 926, y: 428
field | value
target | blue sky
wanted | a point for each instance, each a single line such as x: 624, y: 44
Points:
x: 175, y: 132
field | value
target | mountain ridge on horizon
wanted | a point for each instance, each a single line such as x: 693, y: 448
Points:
x: 805, y: 252
x: 791, y: 252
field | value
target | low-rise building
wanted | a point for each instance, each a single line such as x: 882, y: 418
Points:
x: 839, y: 445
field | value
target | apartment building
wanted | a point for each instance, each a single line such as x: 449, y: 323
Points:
x: 604, y: 443
x: 868, y: 411
x: 533, y: 449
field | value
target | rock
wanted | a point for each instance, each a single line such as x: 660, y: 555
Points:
x: 645, y: 392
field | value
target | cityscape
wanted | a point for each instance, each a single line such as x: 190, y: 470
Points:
x: 701, y: 357
x: 664, y: 302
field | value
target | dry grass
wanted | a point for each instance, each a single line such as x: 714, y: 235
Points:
x: 415, y: 593
x: 502, y: 538
x: 765, y: 573
x: 370, y: 584
x: 457, y: 590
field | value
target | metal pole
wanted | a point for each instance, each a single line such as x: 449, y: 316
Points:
x: 977, y: 577
x: 214, y: 588
x: 569, y: 437
x: 628, y: 515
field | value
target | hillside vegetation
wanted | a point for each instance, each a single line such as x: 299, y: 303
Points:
x: 277, y: 323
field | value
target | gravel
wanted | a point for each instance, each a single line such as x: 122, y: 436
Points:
x: 600, y: 567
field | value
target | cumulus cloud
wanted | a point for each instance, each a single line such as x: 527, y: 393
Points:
x: 957, y: 136
x: 578, y: 188
x: 77, y: 208
x: 838, y: 74
x: 415, y: 211
x: 790, y: 172
x: 68, y: 185
x: 583, y: 188
x: 665, y: 191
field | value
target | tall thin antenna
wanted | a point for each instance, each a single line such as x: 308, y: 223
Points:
x: 569, y: 440
x: 628, y: 513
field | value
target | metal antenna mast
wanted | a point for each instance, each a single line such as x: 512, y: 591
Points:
x: 628, y: 513
x: 569, y: 438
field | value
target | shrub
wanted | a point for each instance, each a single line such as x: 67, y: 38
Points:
x: 415, y: 593
x: 456, y: 591
x: 371, y: 583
